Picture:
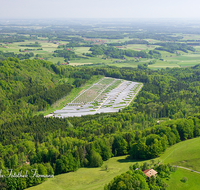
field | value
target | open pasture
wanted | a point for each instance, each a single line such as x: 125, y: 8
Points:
x: 197, y: 48
x: 152, y: 41
x: 165, y: 54
x: 56, y: 59
x: 192, y: 183
x: 139, y: 47
x: 87, y: 178
x: 78, y: 64
x: 190, y: 36
x: 81, y: 50
x: 185, y: 59
x: 117, y: 40
x: 185, y: 153
x: 133, y: 64
x: 93, y: 60
x: 14, y: 47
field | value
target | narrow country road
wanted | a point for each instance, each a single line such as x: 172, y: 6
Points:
x: 187, y: 169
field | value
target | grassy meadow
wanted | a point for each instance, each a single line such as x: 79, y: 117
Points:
x: 81, y: 50
x: 139, y: 47
x: 185, y: 153
x: 14, y: 47
x: 87, y: 178
x: 175, y: 183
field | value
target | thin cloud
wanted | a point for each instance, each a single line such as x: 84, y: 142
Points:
x: 99, y: 9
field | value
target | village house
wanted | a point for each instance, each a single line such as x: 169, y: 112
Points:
x: 150, y: 172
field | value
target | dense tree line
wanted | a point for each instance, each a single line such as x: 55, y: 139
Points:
x: 36, y: 44
x: 5, y: 55
x: 75, y: 44
x: 173, y: 47
x: 112, y: 52
x: 67, y: 54
x: 11, y: 38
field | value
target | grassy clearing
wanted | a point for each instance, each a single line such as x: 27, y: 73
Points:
x: 190, y: 36
x: 185, y: 153
x: 185, y: 59
x: 81, y: 50
x: 134, y: 64
x: 93, y: 60
x: 139, y: 47
x: 117, y: 40
x: 175, y: 183
x: 197, y: 48
x: 56, y: 59
x: 48, y: 48
x: 152, y: 40
x: 87, y: 178
x: 188, y: 64
x: 76, y: 64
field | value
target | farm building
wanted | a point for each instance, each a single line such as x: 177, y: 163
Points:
x: 150, y: 172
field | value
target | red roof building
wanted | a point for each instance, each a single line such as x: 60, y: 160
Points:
x: 150, y: 172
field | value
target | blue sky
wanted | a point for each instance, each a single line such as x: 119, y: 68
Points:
x: 99, y: 9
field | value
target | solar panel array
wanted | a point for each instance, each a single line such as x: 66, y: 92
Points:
x: 107, y: 95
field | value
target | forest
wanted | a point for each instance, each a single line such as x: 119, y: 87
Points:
x: 172, y: 47
x: 118, y: 53
x: 55, y: 146
x: 20, y: 56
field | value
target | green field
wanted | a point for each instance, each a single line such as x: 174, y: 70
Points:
x: 139, y: 47
x: 87, y: 178
x: 190, y: 36
x: 81, y: 50
x: 163, y: 64
x: 92, y: 60
x: 134, y: 64
x: 56, y: 59
x: 185, y: 153
x: 169, y: 60
x: 175, y: 183
x: 47, y: 47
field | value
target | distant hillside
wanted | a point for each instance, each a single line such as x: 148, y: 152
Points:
x: 30, y: 85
